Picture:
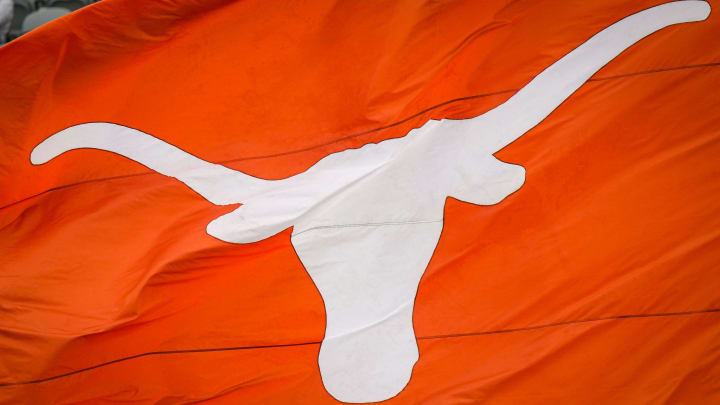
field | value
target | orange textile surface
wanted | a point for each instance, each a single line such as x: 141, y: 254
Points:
x: 595, y: 283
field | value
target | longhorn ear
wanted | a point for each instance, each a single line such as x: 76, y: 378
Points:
x: 488, y: 182
x: 262, y: 216
x: 245, y: 226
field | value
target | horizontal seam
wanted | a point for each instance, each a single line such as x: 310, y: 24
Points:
x: 367, y: 224
x: 388, y: 126
x: 237, y: 348
x: 575, y: 322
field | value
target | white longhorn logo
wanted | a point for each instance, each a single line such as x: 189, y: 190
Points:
x: 366, y: 221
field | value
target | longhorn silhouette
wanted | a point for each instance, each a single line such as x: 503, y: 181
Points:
x: 366, y: 221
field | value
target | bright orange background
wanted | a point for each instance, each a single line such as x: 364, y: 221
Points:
x: 101, y: 259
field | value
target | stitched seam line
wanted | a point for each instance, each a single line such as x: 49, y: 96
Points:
x: 429, y: 109
x: 368, y: 224
x: 458, y: 335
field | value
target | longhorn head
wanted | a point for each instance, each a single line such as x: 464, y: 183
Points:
x: 366, y: 221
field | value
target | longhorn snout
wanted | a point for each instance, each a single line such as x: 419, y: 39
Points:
x: 368, y: 276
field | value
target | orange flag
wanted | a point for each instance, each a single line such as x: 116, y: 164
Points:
x: 451, y: 202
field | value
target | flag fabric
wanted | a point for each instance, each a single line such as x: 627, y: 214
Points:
x: 594, y: 279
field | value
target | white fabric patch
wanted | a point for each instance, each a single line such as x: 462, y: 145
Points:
x: 366, y: 221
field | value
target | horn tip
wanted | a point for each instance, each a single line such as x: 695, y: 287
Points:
x: 700, y: 9
x: 40, y: 154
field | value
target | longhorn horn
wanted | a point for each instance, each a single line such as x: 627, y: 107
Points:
x: 216, y: 183
x: 531, y: 104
